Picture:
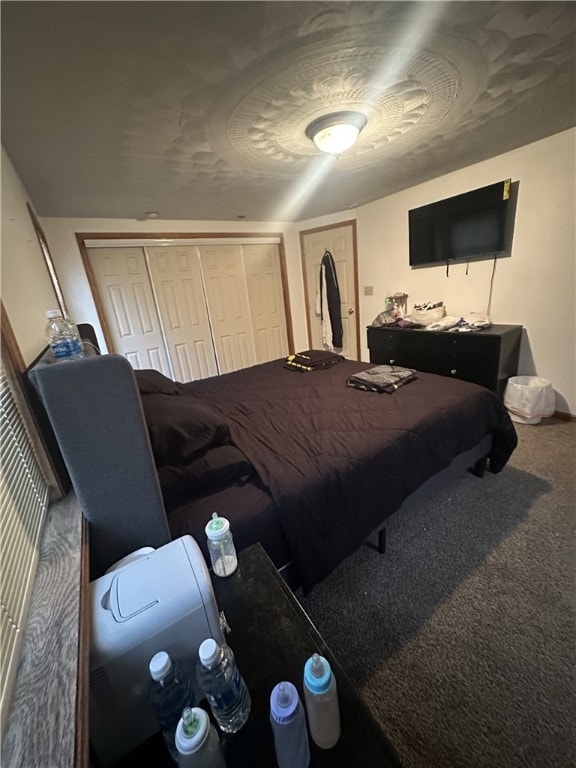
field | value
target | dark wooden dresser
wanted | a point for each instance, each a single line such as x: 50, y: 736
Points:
x: 486, y: 357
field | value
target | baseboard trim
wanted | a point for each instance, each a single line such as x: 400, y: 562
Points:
x: 564, y: 416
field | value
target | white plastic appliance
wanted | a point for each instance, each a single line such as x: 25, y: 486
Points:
x: 159, y: 600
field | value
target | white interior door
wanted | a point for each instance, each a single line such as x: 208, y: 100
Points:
x: 125, y: 292
x: 177, y: 280
x: 227, y: 298
x: 266, y: 298
x: 341, y: 242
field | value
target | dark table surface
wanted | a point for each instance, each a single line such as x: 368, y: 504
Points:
x: 272, y: 637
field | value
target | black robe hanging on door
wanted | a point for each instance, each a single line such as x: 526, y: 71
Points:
x: 332, y: 299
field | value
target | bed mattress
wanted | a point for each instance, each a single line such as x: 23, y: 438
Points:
x: 331, y: 462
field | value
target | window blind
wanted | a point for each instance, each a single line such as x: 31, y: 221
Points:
x: 24, y: 494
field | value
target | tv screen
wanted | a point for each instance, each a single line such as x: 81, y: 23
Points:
x: 461, y: 228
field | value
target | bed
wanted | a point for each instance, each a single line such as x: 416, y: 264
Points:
x: 298, y: 461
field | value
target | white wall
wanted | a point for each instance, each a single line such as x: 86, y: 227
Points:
x: 535, y: 287
x: 27, y: 290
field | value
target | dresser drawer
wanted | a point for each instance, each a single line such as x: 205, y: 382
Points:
x: 487, y: 357
x: 479, y: 368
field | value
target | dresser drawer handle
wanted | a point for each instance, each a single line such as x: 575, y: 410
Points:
x: 391, y: 362
x: 453, y: 371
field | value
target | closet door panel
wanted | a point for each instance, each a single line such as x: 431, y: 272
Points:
x: 235, y: 352
x: 177, y: 279
x: 126, y: 296
x: 265, y: 294
x: 228, y: 306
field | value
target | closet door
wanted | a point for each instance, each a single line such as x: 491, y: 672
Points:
x: 126, y: 296
x: 227, y: 298
x: 177, y: 280
x: 266, y: 298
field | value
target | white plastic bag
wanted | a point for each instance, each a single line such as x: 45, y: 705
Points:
x: 529, y: 399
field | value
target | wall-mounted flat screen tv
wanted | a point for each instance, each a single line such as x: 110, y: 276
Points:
x: 466, y: 227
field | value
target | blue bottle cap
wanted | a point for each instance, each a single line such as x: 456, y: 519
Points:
x: 283, y: 702
x: 317, y: 674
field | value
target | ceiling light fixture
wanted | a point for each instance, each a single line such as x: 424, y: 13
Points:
x: 337, y: 131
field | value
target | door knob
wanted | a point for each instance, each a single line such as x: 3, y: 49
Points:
x: 351, y: 311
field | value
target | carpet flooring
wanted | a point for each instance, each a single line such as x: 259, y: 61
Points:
x: 461, y: 638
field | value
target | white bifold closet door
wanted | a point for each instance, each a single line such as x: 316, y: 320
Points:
x: 266, y: 299
x: 228, y: 306
x: 192, y: 311
x: 129, y: 307
x: 177, y: 279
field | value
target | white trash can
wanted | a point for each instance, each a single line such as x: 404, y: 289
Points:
x: 529, y: 398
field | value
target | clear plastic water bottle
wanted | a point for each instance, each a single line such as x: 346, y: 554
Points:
x: 197, y: 742
x: 221, y: 546
x: 321, y: 699
x: 289, y: 727
x: 171, y: 691
x: 223, y: 685
x: 63, y: 336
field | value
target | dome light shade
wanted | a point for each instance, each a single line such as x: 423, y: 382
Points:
x: 336, y: 132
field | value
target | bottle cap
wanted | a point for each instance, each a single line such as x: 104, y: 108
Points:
x: 283, y: 702
x: 51, y: 313
x: 317, y: 674
x: 208, y: 652
x: 192, y: 730
x: 217, y: 527
x: 160, y: 665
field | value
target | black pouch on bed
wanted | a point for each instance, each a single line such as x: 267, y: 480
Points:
x: 312, y: 360
x: 382, y: 378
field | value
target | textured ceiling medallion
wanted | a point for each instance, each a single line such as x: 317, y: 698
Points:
x: 336, y: 132
x: 219, y: 126
x: 403, y: 94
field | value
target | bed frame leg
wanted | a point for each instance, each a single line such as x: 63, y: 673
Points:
x: 382, y: 541
x: 480, y: 467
